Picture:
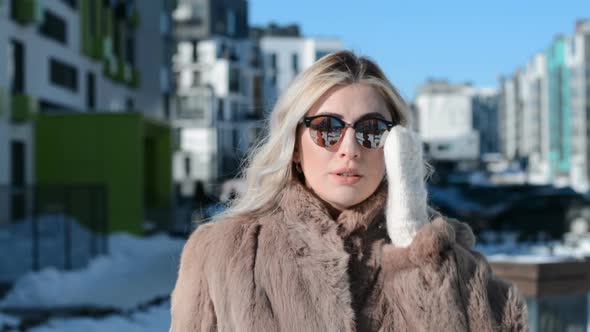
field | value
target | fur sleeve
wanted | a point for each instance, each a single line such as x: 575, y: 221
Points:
x: 191, y: 305
x: 440, y: 283
x: 492, y: 304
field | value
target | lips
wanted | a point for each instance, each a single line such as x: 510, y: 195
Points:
x: 346, y: 175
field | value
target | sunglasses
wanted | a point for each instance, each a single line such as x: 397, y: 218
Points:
x: 327, y: 130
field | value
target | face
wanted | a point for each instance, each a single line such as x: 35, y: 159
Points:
x: 327, y: 169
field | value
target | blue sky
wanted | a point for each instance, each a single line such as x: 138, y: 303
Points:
x: 459, y: 40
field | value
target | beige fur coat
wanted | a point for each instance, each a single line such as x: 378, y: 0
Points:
x: 297, y: 269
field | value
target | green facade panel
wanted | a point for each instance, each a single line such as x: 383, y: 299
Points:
x: 24, y: 107
x: 91, y: 13
x: 559, y: 108
x: 110, y: 150
x: 26, y: 11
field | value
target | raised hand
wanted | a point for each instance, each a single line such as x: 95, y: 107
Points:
x: 406, y: 202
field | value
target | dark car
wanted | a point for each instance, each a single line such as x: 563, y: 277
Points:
x: 528, y: 209
x: 552, y: 212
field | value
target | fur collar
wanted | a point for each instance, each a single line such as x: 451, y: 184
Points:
x: 301, y: 203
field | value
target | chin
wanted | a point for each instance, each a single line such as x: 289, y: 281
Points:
x: 344, y: 201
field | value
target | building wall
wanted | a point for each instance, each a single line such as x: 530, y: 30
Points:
x: 535, y: 104
x: 575, y: 58
x: 485, y: 104
x: 508, y: 119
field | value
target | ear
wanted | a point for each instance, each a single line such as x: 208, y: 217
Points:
x: 296, y: 155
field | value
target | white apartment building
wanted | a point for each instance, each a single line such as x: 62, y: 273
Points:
x: 445, y: 121
x: 219, y: 94
x: 509, y: 116
x: 537, y: 119
x: 286, y: 56
x: 577, y: 59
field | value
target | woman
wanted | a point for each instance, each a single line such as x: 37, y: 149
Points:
x: 333, y: 233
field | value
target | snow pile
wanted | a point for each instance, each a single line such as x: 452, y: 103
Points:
x: 8, y: 321
x: 504, y: 247
x: 137, y: 271
x: 154, y: 319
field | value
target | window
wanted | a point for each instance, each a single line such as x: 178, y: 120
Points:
x: 196, y: 78
x: 193, y: 107
x: 71, y: 3
x: 90, y: 91
x: 234, y: 80
x: 195, y: 51
x: 18, y: 163
x: 129, y: 104
x: 130, y: 50
x: 16, y: 67
x: 273, y: 60
x: 63, y: 75
x: 18, y: 166
x: 53, y: 27
x: 295, y: 62
x: 220, y: 110
x: 187, y: 166
x: 231, y: 23
x: 166, y: 106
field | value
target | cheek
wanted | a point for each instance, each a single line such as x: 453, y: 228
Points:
x: 376, y: 163
x: 313, y: 157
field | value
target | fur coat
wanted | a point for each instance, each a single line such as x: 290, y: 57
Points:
x: 297, y: 269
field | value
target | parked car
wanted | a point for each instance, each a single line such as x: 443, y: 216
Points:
x: 528, y: 209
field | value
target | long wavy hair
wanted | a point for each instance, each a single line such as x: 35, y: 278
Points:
x: 269, y: 167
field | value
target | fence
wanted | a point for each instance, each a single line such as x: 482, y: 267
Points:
x: 60, y: 226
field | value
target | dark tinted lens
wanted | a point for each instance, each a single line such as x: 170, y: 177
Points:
x: 325, y: 130
x: 371, y: 133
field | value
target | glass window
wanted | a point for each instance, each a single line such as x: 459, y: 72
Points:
x: 63, y: 75
x: 53, y: 27
x: 295, y: 62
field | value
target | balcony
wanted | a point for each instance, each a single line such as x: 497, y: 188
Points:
x: 23, y: 107
x: 25, y: 12
x: 93, y: 43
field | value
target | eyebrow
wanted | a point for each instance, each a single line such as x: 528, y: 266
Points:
x: 365, y: 116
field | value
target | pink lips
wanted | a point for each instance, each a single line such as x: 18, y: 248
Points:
x: 352, y: 177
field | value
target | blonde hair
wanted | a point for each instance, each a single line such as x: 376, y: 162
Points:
x: 269, y: 167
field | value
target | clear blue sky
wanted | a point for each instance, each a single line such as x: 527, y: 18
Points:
x: 461, y: 40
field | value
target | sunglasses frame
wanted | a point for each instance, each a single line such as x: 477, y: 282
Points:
x: 307, y: 122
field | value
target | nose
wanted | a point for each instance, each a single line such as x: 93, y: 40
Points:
x: 349, y: 147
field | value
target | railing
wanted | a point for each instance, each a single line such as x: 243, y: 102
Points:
x: 60, y: 226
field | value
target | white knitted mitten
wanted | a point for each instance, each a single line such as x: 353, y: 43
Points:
x: 406, y: 200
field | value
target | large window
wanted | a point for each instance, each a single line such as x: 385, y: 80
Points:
x: 53, y: 27
x: 17, y: 175
x: 16, y: 67
x: 63, y: 75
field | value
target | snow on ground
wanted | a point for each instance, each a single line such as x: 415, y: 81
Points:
x: 504, y: 247
x: 8, y: 321
x: 136, y: 271
x: 154, y: 319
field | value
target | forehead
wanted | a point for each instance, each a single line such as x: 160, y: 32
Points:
x: 351, y: 102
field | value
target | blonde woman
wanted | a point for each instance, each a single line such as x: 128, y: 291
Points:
x: 333, y: 232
